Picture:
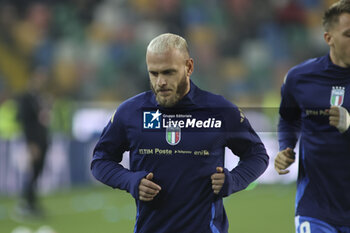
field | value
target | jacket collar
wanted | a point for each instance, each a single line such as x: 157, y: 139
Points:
x: 335, y: 68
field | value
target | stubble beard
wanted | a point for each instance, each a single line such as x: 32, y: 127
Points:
x: 173, y: 99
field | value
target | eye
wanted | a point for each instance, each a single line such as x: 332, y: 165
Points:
x: 153, y: 73
x: 168, y: 72
x: 346, y: 33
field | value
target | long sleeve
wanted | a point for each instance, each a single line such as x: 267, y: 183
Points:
x: 108, y: 154
x: 245, y: 143
x: 289, y: 122
x: 288, y: 133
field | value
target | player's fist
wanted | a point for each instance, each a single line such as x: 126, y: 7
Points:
x: 218, y: 180
x: 339, y: 117
x: 148, y: 189
x: 283, y: 160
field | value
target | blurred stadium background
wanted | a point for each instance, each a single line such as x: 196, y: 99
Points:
x: 94, y: 52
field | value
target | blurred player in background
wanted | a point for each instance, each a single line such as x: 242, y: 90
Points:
x: 33, y: 114
x: 315, y: 106
x: 176, y: 135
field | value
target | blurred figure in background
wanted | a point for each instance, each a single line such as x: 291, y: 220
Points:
x: 315, y: 105
x: 33, y: 114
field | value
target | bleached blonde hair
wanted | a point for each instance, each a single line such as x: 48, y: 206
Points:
x: 166, y: 42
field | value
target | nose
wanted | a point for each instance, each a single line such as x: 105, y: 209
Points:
x: 161, y: 82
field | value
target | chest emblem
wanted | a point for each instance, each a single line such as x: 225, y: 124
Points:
x: 173, y: 135
x: 337, y: 96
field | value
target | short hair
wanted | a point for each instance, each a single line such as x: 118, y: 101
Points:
x: 331, y: 15
x: 167, y: 41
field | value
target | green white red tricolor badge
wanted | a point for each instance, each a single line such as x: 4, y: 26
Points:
x: 173, y: 135
x: 337, y: 96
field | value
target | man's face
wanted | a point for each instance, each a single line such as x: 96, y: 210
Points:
x: 339, y: 41
x: 169, y: 74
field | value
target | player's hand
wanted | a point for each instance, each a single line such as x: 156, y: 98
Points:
x: 148, y: 189
x: 218, y: 180
x: 339, y: 118
x: 283, y: 160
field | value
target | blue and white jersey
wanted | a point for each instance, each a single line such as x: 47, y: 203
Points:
x: 182, y: 146
x: 323, y: 186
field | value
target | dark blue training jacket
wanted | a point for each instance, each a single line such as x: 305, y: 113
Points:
x: 182, y: 158
x: 323, y: 188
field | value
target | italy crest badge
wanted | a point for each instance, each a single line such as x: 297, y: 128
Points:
x: 173, y: 135
x: 337, y: 96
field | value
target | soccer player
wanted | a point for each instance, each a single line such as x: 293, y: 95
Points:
x: 33, y: 114
x: 315, y: 106
x: 176, y: 134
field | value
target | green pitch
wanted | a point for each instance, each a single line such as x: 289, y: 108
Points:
x: 265, y: 209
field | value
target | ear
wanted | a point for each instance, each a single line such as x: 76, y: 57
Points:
x: 328, y: 38
x: 189, y: 67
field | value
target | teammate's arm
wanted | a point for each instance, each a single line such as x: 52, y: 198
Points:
x: 339, y: 117
x: 289, y: 127
x: 283, y: 160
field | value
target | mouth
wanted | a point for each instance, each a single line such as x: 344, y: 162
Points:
x: 164, y: 92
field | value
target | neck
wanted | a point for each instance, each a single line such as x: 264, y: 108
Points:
x: 337, y: 61
x: 188, y: 87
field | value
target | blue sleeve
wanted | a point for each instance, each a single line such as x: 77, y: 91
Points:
x: 246, y: 144
x: 290, y: 113
x: 108, y: 154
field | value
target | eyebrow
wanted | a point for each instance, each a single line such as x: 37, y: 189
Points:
x: 163, y: 71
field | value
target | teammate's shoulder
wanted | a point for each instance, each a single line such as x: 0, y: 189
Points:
x: 307, y: 66
x: 305, y: 69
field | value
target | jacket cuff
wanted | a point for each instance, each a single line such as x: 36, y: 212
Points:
x: 135, y: 182
x: 227, y: 187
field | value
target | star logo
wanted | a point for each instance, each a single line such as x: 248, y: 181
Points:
x: 156, y: 115
x: 151, y: 119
